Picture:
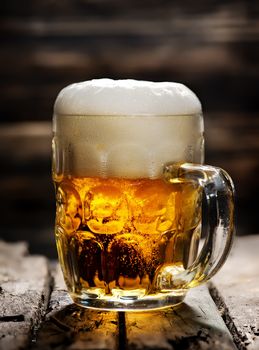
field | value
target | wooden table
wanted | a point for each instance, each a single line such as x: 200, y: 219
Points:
x: 36, y: 311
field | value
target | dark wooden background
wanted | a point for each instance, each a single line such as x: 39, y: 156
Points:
x: 213, y: 47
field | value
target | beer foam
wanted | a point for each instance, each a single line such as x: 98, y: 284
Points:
x: 125, y: 128
x: 126, y: 97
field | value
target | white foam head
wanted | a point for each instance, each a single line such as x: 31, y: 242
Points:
x: 126, y: 97
x: 126, y: 128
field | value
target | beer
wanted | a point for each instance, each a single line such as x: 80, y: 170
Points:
x: 126, y: 235
x: 115, y: 235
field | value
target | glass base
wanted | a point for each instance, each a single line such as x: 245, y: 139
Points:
x: 129, y: 301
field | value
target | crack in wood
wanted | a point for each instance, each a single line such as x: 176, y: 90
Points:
x: 12, y: 318
x: 42, y: 306
x: 195, y: 324
x: 41, y: 312
x: 240, y: 341
x: 122, y: 341
x: 24, y: 293
x: 68, y: 325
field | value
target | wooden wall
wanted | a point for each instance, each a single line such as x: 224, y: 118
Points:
x: 45, y: 45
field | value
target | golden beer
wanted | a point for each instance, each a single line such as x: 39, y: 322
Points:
x: 114, y: 235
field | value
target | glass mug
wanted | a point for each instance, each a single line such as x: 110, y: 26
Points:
x: 129, y: 179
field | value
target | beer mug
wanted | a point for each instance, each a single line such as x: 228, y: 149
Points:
x: 129, y: 179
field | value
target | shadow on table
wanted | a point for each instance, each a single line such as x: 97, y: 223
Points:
x: 181, y: 327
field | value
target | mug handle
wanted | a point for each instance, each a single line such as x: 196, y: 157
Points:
x: 219, y: 193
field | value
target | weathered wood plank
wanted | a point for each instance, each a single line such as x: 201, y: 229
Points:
x: 68, y: 326
x: 195, y: 324
x: 24, y: 293
x: 237, y: 292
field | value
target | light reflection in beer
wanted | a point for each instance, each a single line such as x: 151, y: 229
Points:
x: 115, y: 236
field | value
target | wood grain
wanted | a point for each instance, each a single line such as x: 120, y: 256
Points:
x: 195, y: 324
x: 38, y: 313
x: 24, y: 293
x: 237, y: 292
x: 69, y: 326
